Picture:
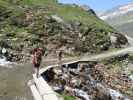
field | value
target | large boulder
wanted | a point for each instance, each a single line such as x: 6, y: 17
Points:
x: 118, y: 40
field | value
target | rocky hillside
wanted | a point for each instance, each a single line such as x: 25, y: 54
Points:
x: 121, y: 18
x: 27, y: 23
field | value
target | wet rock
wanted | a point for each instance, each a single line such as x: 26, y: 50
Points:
x: 115, y: 95
x: 131, y: 77
x: 102, y: 93
x: 81, y: 94
x: 121, y: 39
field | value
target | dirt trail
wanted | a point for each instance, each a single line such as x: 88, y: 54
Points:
x: 101, y: 56
x: 130, y: 40
x: 108, y: 54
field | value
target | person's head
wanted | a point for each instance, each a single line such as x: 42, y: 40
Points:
x: 41, y: 50
x: 34, y: 50
x: 95, y: 63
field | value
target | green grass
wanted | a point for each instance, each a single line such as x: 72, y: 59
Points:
x: 39, y: 2
x: 44, y: 8
x: 67, y: 12
x: 67, y: 97
x: 70, y: 13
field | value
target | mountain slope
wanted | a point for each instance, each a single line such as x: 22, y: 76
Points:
x: 121, y: 18
x: 28, y: 23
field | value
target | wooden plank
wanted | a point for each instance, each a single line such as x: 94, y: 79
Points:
x: 35, y: 93
x: 50, y: 97
x: 71, y: 62
x: 44, y: 89
x: 56, y: 65
x: 42, y: 86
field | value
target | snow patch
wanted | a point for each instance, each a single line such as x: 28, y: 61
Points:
x: 120, y: 11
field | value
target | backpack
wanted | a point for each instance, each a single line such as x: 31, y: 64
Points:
x: 39, y: 56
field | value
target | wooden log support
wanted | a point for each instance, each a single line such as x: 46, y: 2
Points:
x: 34, y: 91
x: 44, y: 89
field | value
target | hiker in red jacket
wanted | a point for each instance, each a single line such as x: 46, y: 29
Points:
x: 36, y: 59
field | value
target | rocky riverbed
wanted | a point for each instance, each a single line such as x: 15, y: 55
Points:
x: 88, y: 81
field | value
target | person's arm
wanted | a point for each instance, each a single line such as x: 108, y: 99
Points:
x: 35, y: 58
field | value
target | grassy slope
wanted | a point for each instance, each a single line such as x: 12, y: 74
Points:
x: 70, y: 13
x: 67, y: 12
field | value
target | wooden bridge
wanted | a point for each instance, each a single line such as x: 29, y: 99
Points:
x: 42, y: 91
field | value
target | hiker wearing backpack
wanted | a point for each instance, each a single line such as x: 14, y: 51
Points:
x: 36, y: 59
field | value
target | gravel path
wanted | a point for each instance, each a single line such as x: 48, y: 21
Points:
x: 13, y: 83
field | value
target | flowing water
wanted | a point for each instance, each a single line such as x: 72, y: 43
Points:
x: 4, y: 63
